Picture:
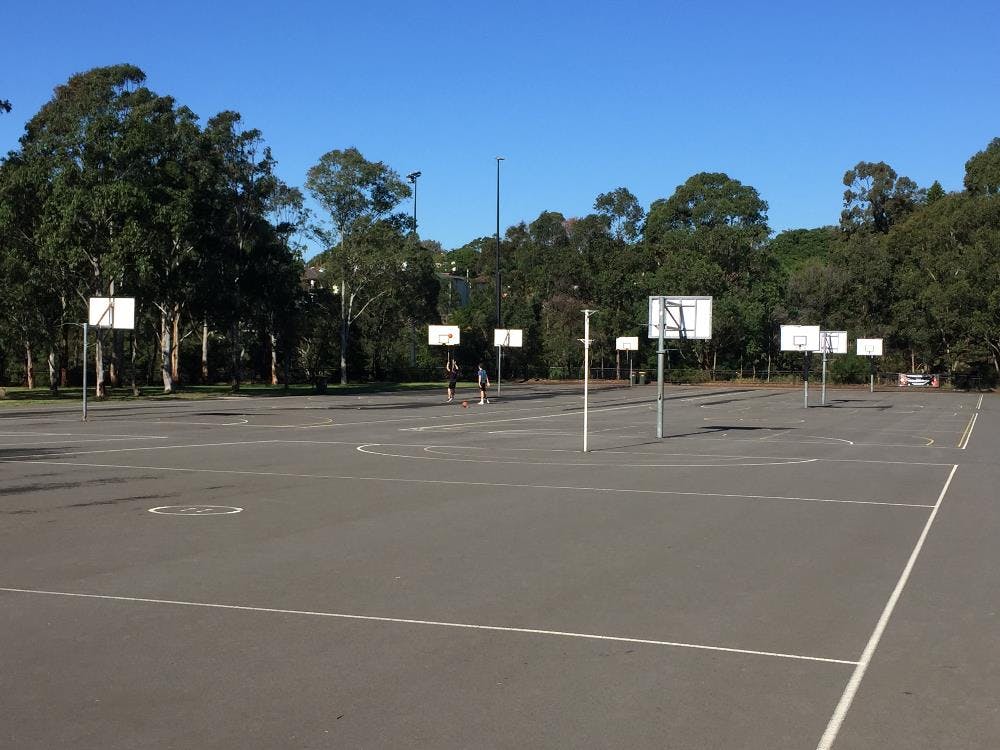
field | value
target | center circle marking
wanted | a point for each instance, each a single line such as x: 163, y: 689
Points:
x: 195, y: 510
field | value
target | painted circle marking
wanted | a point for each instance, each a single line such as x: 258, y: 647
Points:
x: 713, y: 462
x: 195, y: 510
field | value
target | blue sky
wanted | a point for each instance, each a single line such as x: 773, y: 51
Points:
x: 784, y: 96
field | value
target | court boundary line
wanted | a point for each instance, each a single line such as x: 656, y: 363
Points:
x: 854, y: 683
x: 409, y: 480
x: 963, y: 441
x: 437, y: 623
x: 356, y: 443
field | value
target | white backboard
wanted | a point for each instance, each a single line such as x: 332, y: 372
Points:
x: 112, y: 312
x: 800, y: 338
x: 507, y: 337
x: 443, y: 335
x: 684, y: 317
x: 627, y: 343
x: 833, y: 342
x: 870, y: 347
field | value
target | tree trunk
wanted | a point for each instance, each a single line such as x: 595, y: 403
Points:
x: 64, y: 365
x: 913, y: 361
x: 166, y: 352
x: 100, y: 388
x: 53, y: 371
x: 135, y: 387
x: 29, y: 365
x: 274, y: 359
x: 344, y: 323
x: 235, y: 355
x: 204, y: 353
x: 64, y: 354
x: 175, y: 354
x: 114, y: 369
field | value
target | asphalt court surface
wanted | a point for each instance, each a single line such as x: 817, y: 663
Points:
x: 388, y: 570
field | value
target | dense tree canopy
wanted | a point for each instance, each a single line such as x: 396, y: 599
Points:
x: 116, y: 189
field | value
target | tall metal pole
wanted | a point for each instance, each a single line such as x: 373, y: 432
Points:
x: 499, y: 316
x: 586, y: 371
x: 805, y: 379
x: 660, y: 351
x: 84, y: 372
x: 823, y: 398
x: 412, y: 177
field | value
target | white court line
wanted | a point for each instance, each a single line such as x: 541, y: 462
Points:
x: 461, y: 425
x: 980, y: 404
x: 85, y: 440
x: 157, y: 448
x: 365, y: 448
x: 437, y: 623
x: 833, y: 728
x: 963, y: 442
x: 355, y: 444
x: 405, y: 480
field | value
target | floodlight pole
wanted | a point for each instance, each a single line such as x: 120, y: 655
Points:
x: 84, y: 372
x: 412, y: 177
x: 499, y: 318
x: 660, y: 351
x: 586, y: 371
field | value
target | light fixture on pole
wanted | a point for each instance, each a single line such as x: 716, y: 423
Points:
x: 412, y: 177
x: 499, y: 316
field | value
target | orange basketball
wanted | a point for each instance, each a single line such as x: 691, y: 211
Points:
x: 465, y: 404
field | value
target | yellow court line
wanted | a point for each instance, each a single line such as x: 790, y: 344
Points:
x: 964, y: 440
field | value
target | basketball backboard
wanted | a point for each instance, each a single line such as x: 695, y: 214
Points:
x: 684, y: 317
x: 800, y: 338
x: 443, y: 335
x: 507, y: 337
x: 112, y: 312
x: 627, y: 343
x: 833, y: 342
x: 870, y: 347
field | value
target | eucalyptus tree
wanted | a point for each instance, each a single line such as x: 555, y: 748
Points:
x: 877, y: 197
x: 184, y: 232
x: 947, y: 271
x: 982, y: 170
x: 248, y: 187
x: 29, y: 305
x: 710, y: 237
x: 363, y: 232
x: 91, y: 142
x: 622, y: 214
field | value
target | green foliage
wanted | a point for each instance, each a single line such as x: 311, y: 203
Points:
x: 982, y: 171
x: 876, y: 197
x: 116, y: 188
x: 935, y: 192
x: 849, y: 368
x: 794, y: 248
